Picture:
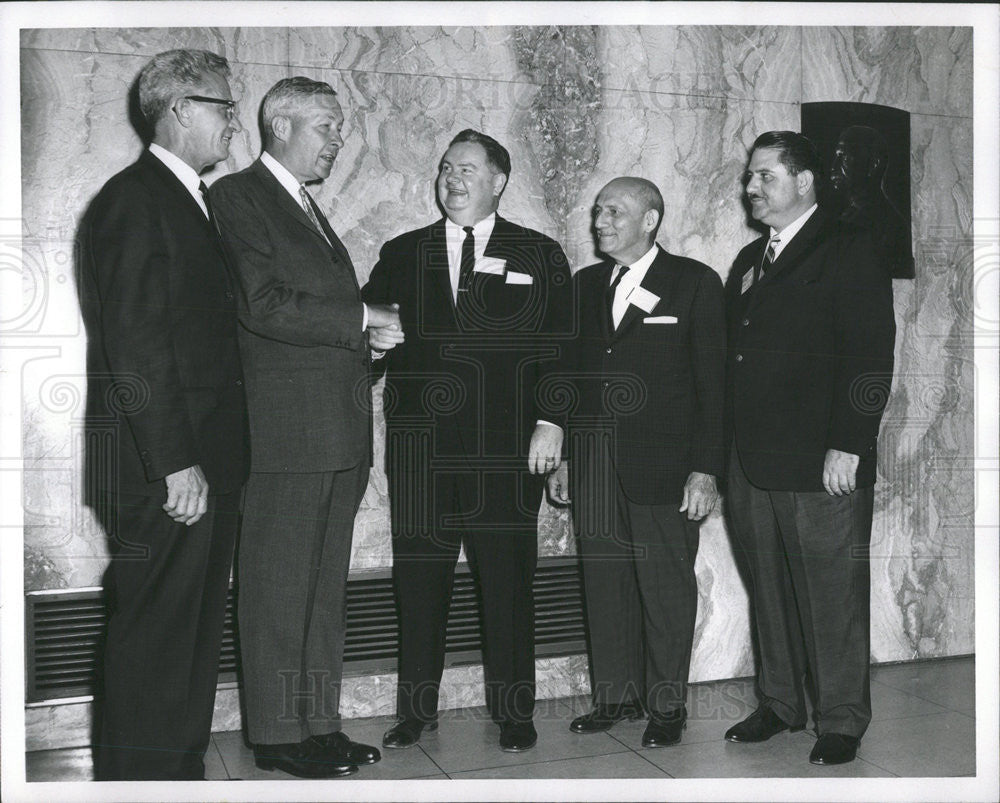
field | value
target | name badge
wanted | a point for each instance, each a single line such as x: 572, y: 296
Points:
x: 643, y: 299
x: 490, y: 265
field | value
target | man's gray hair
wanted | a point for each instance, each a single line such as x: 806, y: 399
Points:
x: 174, y: 73
x: 287, y: 97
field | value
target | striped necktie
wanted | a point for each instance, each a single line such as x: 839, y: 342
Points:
x: 307, y: 207
x: 769, y: 254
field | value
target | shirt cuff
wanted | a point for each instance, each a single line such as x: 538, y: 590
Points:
x: 364, y: 316
x: 548, y: 424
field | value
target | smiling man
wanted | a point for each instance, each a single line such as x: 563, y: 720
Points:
x: 646, y: 447
x: 305, y: 344
x: 811, y: 336
x: 483, y: 302
x: 164, y: 370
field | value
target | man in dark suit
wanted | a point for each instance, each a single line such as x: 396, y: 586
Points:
x: 645, y: 448
x: 306, y: 357
x: 165, y: 379
x: 811, y: 337
x: 483, y: 302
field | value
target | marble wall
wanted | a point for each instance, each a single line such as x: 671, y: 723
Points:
x: 681, y: 109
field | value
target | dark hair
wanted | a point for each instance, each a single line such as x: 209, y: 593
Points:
x: 795, y: 152
x: 496, y: 154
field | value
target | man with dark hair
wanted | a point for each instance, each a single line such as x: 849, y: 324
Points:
x: 811, y: 335
x: 482, y: 301
x: 652, y: 331
x: 165, y: 378
x: 306, y: 354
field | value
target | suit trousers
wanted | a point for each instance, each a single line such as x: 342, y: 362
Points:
x: 806, y: 554
x: 641, y: 599
x: 502, y: 556
x: 166, y: 591
x: 293, y: 560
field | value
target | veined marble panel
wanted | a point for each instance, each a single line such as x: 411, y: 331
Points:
x: 262, y: 45
x: 477, y: 53
x: 729, y: 61
x: 922, y: 537
x: 923, y: 70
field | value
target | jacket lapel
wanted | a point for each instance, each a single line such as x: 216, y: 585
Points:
x: 182, y: 197
x: 437, y: 302
x: 801, y: 245
x: 656, y: 281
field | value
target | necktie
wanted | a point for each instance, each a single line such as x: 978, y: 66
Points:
x: 609, y: 295
x: 208, y: 205
x: 468, y: 260
x: 307, y: 207
x: 769, y: 255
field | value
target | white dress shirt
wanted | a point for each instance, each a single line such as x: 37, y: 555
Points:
x: 454, y: 237
x: 292, y: 185
x: 636, y: 273
x: 184, y: 172
x: 786, y: 234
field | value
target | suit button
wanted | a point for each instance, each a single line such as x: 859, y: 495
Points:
x: 239, y: 383
x: 609, y: 351
x: 739, y: 358
x: 229, y: 296
x: 605, y: 384
x: 746, y: 321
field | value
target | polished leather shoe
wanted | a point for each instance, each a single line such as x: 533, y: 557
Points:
x: 664, y: 729
x: 349, y: 752
x: 834, y: 748
x: 604, y: 716
x: 516, y: 737
x: 760, y: 726
x: 308, y: 759
x: 406, y: 733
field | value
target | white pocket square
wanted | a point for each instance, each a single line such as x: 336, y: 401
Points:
x: 660, y: 319
x: 513, y: 277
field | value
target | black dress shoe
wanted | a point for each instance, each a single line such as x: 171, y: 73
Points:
x: 406, y: 733
x: 604, y: 716
x: 834, y: 748
x: 664, y: 729
x: 516, y: 737
x: 349, y: 752
x: 760, y: 726
x: 308, y: 759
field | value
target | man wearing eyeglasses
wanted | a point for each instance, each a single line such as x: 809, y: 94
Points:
x: 165, y: 379
x: 305, y: 343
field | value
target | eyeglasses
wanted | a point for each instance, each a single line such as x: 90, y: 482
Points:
x: 230, y: 105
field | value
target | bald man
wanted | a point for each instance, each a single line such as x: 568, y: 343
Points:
x: 645, y: 448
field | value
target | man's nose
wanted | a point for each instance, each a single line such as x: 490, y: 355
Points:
x: 753, y: 185
x: 235, y: 124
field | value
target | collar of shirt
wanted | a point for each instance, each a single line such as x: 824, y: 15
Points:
x: 637, y: 270
x: 793, y: 228
x: 285, y: 179
x: 454, y: 237
x: 186, y: 174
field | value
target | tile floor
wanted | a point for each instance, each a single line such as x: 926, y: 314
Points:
x: 923, y: 725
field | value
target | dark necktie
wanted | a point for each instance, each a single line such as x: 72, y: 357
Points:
x: 208, y: 206
x: 609, y: 296
x: 467, y: 262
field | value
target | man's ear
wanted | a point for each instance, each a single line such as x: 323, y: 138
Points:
x: 182, y: 111
x: 281, y: 128
x: 650, y: 219
x: 804, y: 181
x: 499, y: 182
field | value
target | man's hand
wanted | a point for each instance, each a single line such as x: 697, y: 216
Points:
x: 383, y: 338
x: 840, y: 471
x: 700, y: 495
x: 381, y: 315
x: 558, y: 485
x: 545, y: 449
x: 187, y: 495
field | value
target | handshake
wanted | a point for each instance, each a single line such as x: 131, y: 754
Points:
x: 384, y: 329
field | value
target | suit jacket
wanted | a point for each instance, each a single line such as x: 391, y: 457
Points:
x: 656, y: 388
x: 471, y: 380
x: 162, y: 358
x: 810, y: 355
x: 305, y: 353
